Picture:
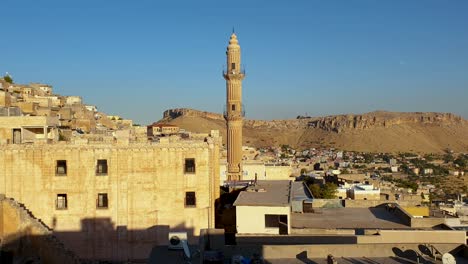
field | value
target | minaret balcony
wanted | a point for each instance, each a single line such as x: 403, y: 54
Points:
x: 233, y: 114
x: 233, y: 74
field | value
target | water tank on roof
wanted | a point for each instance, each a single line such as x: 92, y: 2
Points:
x: 336, y: 172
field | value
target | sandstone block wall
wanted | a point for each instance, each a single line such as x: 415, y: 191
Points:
x: 145, y: 184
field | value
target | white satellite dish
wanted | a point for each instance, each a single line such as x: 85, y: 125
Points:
x: 447, y: 258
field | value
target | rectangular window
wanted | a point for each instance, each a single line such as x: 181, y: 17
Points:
x: 101, y: 168
x: 61, y: 169
x: 233, y: 107
x: 190, y: 199
x: 233, y: 66
x: 189, y: 166
x: 271, y: 220
x: 102, y: 201
x: 16, y: 135
x: 61, y: 202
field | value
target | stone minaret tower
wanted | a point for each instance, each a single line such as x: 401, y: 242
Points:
x: 233, y: 113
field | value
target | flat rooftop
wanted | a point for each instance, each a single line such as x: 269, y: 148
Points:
x: 265, y: 193
x: 347, y: 218
x: 299, y: 191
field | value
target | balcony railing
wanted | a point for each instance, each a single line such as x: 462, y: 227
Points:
x: 240, y: 71
x: 233, y: 112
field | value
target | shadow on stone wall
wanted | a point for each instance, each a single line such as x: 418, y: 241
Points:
x: 97, y: 240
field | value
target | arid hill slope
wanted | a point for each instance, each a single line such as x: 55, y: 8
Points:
x: 378, y: 131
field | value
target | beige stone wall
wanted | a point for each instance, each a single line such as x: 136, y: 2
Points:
x: 254, y: 168
x: 364, y: 195
x: 249, y: 171
x: 41, y: 101
x: 278, y: 172
x: 5, y: 99
x: 246, y: 224
x: 263, y: 172
x: 27, y: 107
x: 7, y: 123
x: 146, y: 187
x: 70, y: 100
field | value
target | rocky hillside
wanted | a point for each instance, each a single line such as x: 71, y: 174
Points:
x: 378, y: 131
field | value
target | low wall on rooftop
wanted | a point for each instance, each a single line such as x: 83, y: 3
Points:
x: 375, y: 203
x: 321, y: 231
x: 351, y: 251
x: 414, y: 236
x: 408, y: 219
x: 336, y: 203
x: 378, y: 243
x: 417, y: 210
x: 327, y: 203
x: 296, y: 239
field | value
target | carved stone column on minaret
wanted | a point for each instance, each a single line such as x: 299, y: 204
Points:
x: 233, y: 113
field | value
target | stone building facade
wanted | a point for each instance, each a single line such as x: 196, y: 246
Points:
x: 28, y: 129
x: 116, y: 201
x: 255, y: 169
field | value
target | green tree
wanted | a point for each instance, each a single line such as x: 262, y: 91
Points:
x: 315, y: 190
x: 327, y: 191
x: 8, y: 78
x: 404, y: 168
x: 461, y: 161
x: 285, y: 147
x: 429, y: 157
x: 448, y: 157
x: 61, y: 137
x: 368, y: 158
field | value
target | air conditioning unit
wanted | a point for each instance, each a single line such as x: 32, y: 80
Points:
x: 177, y: 240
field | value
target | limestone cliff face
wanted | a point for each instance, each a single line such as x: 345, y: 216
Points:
x: 341, y: 123
x: 378, y: 131
x: 336, y: 123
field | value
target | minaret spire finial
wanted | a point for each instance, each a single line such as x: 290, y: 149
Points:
x: 233, y: 31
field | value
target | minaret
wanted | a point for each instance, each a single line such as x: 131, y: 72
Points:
x: 233, y: 112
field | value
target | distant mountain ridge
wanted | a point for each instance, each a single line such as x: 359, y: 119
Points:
x: 378, y: 131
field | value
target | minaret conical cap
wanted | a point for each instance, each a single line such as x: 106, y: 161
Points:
x: 233, y: 42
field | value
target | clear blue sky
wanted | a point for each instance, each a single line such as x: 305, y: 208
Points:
x: 138, y: 58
